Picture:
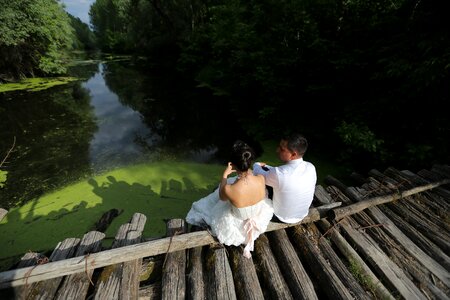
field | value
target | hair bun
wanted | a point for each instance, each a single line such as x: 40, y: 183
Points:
x: 246, y: 155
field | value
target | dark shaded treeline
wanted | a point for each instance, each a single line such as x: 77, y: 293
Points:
x: 365, y: 81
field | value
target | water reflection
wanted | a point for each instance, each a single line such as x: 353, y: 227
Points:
x: 119, y: 128
x: 118, y: 115
x: 53, y: 130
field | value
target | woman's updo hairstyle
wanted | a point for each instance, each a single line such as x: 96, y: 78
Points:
x: 242, y: 156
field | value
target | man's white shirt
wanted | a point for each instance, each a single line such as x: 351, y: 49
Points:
x: 293, y: 185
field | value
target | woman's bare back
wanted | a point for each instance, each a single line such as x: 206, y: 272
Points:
x: 247, y: 191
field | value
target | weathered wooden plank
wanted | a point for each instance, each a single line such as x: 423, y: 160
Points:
x: 391, y: 274
x: 419, y: 239
x: 195, y: 279
x: 173, y: 283
x: 441, y: 191
x: 29, y: 259
x: 322, y: 270
x: 131, y: 271
x: 220, y: 284
x: 131, y: 252
x: 244, y: 274
x: 150, y: 292
x: 120, y: 281
x: 294, y: 273
x: 101, y: 259
x: 3, y: 213
x: 272, y: 282
x: 76, y: 286
x: 322, y: 195
x: 410, y: 246
x: 341, y: 212
x: 353, y: 258
x: 427, y: 209
x: 47, y: 289
x: 399, y: 254
x: 338, y: 266
x: 427, y: 228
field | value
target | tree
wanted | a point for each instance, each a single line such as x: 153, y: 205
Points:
x: 33, y: 37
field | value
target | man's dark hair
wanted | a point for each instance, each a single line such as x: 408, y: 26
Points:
x: 296, y: 142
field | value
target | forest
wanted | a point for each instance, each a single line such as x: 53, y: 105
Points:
x: 365, y: 81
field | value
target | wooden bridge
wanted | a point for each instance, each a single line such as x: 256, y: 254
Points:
x: 387, y: 238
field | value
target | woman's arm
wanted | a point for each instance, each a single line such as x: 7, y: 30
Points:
x: 223, y: 191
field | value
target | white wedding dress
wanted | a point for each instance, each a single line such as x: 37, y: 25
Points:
x: 232, y: 225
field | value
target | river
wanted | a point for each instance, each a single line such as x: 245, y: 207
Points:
x: 119, y: 113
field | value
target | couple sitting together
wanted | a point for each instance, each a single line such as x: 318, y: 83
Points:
x: 239, y: 210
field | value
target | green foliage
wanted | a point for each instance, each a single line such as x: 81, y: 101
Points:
x: 84, y: 37
x: 110, y: 20
x: 33, y: 37
x: 279, y: 59
x: 3, y: 176
x: 358, y: 136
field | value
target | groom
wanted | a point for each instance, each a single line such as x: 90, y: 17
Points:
x: 293, y: 183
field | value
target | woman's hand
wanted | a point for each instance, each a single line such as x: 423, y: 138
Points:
x: 228, y: 170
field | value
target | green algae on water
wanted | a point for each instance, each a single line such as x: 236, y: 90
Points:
x: 159, y: 190
x: 35, y: 84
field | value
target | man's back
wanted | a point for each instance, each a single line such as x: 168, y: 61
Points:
x: 293, y: 188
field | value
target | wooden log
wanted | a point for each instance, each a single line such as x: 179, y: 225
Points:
x: 402, y: 258
x: 390, y: 273
x: 3, y: 213
x: 131, y: 252
x: 341, y: 212
x: 273, y: 284
x: 29, y: 259
x: 406, y: 254
x: 419, y: 239
x: 294, y: 273
x: 219, y: 284
x: 322, y: 270
x: 314, y: 214
x: 337, y: 265
x: 47, y: 289
x: 441, y: 194
x: 365, y: 274
x: 409, y: 246
x: 427, y: 228
x: 422, y: 204
x: 195, y: 279
x: 427, y: 262
x: 173, y: 283
x: 244, y: 274
x: 360, y: 179
x: 121, y: 281
x: 349, y: 192
x: 150, y: 292
x: 322, y: 195
x: 399, y: 255
x: 76, y: 286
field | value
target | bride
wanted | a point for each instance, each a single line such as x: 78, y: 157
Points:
x: 238, y: 211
